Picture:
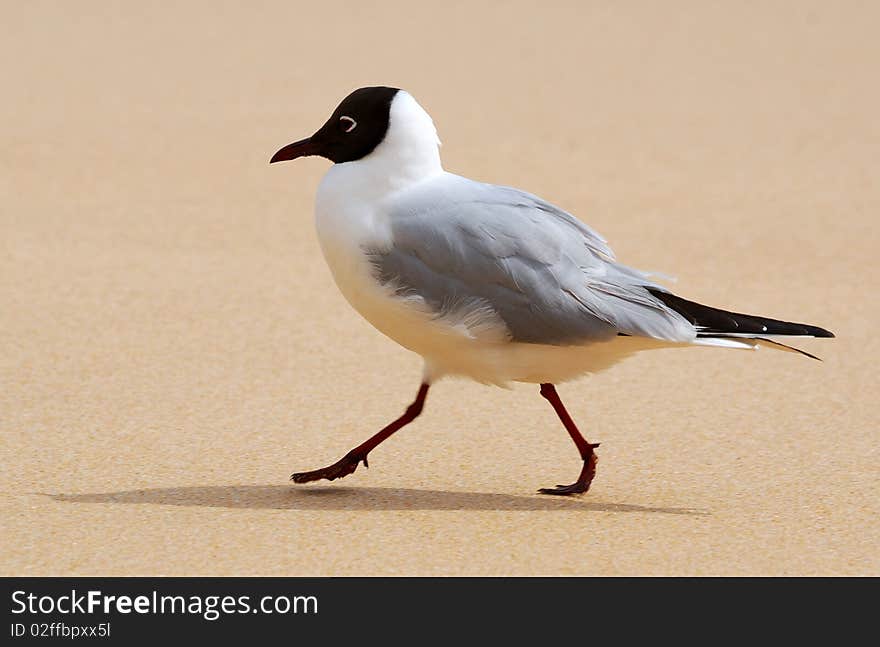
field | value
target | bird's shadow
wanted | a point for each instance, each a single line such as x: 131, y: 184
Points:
x: 287, y: 497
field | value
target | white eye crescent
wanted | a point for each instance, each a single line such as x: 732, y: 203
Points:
x: 348, y: 124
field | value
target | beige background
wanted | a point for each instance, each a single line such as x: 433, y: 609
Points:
x: 173, y: 346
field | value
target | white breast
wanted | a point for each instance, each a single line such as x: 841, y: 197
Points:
x: 350, y: 218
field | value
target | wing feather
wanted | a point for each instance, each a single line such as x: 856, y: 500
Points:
x: 548, y: 276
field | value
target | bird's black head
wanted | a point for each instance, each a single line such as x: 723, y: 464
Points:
x: 353, y: 131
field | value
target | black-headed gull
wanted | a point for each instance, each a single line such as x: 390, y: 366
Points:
x: 484, y: 281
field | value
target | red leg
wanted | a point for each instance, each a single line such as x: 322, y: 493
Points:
x: 348, y: 463
x: 586, y: 449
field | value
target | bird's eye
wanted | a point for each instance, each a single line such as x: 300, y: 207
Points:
x: 348, y: 124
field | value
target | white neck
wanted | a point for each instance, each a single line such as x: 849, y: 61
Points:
x: 411, y: 144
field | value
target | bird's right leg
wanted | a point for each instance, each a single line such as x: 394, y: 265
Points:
x: 348, y: 463
x: 586, y: 449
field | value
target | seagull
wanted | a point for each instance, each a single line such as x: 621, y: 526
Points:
x: 483, y: 281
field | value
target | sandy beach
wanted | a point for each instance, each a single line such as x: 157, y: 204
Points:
x: 172, y: 345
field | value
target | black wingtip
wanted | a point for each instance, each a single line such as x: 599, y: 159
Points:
x: 715, y: 321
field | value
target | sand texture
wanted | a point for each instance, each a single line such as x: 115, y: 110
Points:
x: 172, y: 345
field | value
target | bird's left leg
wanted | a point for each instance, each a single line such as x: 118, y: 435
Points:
x: 586, y: 449
x: 348, y: 463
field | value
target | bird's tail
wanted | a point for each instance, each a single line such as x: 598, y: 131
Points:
x: 716, y: 327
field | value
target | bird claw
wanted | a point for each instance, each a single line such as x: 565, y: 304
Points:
x: 340, y: 469
x: 566, y: 490
x: 582, y: 484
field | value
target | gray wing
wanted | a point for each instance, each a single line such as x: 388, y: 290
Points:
x: 548, y: 276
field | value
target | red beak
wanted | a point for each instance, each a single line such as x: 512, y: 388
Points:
x: 302, y: 148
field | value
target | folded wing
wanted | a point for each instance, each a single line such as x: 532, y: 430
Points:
x: 546, y: 275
